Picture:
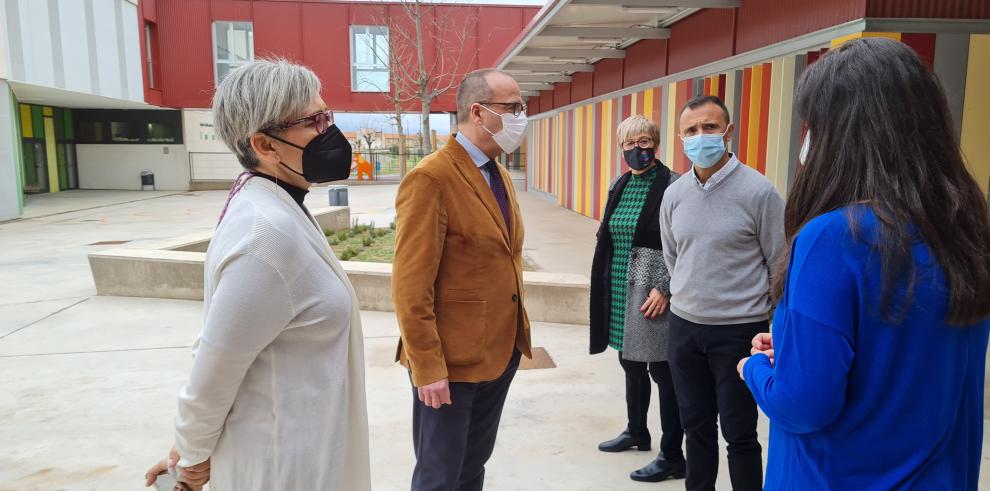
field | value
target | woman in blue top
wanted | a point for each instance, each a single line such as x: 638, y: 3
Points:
x: 881, y: 329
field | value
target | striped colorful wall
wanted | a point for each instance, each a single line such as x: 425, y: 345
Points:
x: 574, y: 156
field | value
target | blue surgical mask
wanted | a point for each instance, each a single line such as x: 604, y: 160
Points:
x: 705, y: 149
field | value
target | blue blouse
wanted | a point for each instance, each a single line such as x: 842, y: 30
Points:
x: 856, y: 402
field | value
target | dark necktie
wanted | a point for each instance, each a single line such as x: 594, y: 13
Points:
x: 498, y: 188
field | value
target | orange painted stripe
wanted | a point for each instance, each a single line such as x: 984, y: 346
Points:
x: 753, y: 128
x: 682, y: 163
x: 744, y: 114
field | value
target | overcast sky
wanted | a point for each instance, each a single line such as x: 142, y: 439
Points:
x: 383, y: 122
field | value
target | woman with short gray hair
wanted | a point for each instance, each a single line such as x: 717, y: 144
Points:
x: 630, y: 289
x: 276, y: 394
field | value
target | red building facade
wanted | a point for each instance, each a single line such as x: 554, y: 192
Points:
x: 179, y: 50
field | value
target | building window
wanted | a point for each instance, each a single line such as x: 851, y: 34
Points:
x: 162, y: 133
x: 369, y: 59
x: 127, y: 126
x: 233, y: 46
x: 124, y: 132
x: 151, y: 54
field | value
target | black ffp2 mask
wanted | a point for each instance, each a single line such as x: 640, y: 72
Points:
x: 325, y: 158
x: 639, y: 158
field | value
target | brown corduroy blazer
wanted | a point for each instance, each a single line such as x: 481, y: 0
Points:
x: 457, y: 277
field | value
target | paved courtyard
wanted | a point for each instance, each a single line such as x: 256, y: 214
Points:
x: 89, y: 383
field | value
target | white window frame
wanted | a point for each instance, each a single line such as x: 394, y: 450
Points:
x: 149, y: 59
x: 378, y: 66
x: 232, y: 26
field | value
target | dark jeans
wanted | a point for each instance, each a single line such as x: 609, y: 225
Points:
x: 453, y: 443
x: 703, y: 363
x: 638, y: 376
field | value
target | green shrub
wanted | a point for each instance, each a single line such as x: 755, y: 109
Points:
x: 349, y: 253
x: 392, y: 225
x: 343, y: 235
x: 368, y: 241
x: 332, y: 240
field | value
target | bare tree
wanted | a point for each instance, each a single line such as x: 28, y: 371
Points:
x: 369, y: 133
x: 413, y: 75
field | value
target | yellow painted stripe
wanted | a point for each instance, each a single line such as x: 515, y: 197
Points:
x: 715, y: 81
x: 842, y: 40
x: 47, y: 111
x: 976, y: 111
x: 604, y: 170
x: 582, y: 176
x: 648, y: 105
x: 589, y: 161
x: 582, y: 145
x: 671, y: 123
x: 27, y: 125
x: 578, y: 160
x: 756, y: 86
x: 52, y: 157
x: 560, y: 159
x: 634, y: 100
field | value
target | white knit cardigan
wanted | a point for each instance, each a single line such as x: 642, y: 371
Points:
x: 276, y: 395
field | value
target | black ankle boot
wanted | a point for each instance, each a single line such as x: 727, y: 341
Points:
x: 660, y: 470
x: 624, y: 442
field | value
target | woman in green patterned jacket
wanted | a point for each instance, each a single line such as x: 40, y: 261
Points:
x: 630, y: 288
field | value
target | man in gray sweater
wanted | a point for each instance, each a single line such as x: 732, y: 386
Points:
x: 721, y: 228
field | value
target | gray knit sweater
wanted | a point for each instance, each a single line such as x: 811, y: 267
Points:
x: 719, y: 244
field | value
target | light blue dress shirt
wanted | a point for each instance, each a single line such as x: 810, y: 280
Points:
x: 718, y: 176
x: 479, y: 157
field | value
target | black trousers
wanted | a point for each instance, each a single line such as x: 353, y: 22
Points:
x: 453, y: 443
x: 638, y: 383
x: 703, y: 363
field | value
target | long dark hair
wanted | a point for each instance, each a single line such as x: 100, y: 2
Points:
x: 881, y: 134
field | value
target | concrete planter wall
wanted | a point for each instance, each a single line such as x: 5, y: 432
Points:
x: 174, y: 269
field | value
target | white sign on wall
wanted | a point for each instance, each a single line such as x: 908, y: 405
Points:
x: 198, y: 132
x: 209, y: 158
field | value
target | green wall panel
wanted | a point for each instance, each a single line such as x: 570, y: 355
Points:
x: 37, y: 120
x: 27, y: 161
x: 63, y: 167
x: 70, y: 133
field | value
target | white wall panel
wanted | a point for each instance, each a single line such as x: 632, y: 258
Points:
x: 75, y: 50
x: 132, y: 51
x: 214, y: 166
x: 37, y: 42
x: 107, y: 58
x: 120, y: 166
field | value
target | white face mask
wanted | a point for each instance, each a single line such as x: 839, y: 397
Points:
x: 803, y: 157
x: 512, y: 133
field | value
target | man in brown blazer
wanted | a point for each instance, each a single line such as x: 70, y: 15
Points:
x: 458, y: 285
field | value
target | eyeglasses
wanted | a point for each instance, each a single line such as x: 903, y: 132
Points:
x: 513, y: 107
x: 644, y: 142
x: 321, y: 121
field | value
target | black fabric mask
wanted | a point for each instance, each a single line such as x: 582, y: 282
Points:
x: 639, y: 158
x: 325, y: 158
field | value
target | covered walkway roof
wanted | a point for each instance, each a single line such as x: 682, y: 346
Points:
x: 569, y: 36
